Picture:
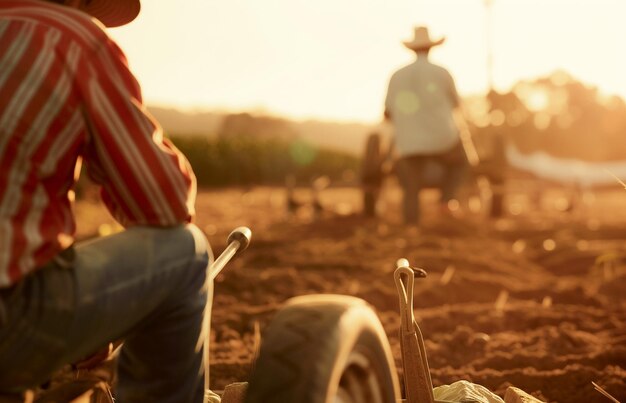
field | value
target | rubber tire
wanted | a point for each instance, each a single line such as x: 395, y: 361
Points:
x: 312, y: 343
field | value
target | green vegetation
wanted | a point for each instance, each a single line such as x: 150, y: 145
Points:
x: 244, y: 161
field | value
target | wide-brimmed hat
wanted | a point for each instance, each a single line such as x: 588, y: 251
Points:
x: 113, y: 13
x: 421, y: 40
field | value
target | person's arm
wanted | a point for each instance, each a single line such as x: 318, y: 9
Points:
x: 389, y: 100
x: 145, y: 180
x: 389, y: 154
x: 461, y: 123
x: 453, y: 94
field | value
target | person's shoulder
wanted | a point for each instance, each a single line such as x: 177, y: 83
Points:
x: 80, y: 26
x: 402, y: 71
x: 408, y: 67
x: 433, y: 66
x: 71, y: 23
x: 440, y: 69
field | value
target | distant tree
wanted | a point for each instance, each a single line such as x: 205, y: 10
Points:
x: 559, y: 115
x: 245, y: 124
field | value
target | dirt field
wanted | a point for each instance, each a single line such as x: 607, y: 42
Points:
x: 517, y: 301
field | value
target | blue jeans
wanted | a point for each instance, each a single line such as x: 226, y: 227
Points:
x: 145, y: 285
x: 412, y: 176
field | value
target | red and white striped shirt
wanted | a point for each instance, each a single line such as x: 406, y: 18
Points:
x: 66, y: 95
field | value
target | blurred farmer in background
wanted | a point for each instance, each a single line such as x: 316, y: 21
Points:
x: 420, y: 102
x: 66, y: 96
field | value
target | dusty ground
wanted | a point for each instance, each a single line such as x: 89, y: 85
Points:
x: 521, y: 300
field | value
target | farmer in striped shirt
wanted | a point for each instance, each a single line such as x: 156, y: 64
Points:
x: 67, y: 97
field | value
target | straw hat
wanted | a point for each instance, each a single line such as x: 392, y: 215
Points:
x: 422, y: 40
x: 113, y: 13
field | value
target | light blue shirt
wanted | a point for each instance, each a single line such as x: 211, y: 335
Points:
x: 421, y: 98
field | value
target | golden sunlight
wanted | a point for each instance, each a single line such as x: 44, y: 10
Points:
x: 315, y: 59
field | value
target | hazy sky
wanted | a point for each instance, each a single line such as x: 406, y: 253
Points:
x: 332, y: 59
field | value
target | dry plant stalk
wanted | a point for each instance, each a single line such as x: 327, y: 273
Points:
x: 604, y: 392
x: 447, y: 275
x: 621, y: 182
x: 501, y: 301
x: 256, y: 344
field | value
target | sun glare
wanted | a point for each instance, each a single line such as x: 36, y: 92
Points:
x: 537, y: 100
x: 302, y: 59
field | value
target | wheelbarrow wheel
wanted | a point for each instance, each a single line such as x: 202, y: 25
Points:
x: 324, y: 349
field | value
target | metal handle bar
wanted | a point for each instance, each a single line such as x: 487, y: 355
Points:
x: 238, y: 240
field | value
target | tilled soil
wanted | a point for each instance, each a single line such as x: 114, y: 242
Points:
x: 534, y: 300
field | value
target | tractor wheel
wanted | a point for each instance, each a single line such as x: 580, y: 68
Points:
x: 324, y: 349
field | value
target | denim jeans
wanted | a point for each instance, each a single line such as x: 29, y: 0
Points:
x: 412, y: 176
x: 145, y: 285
